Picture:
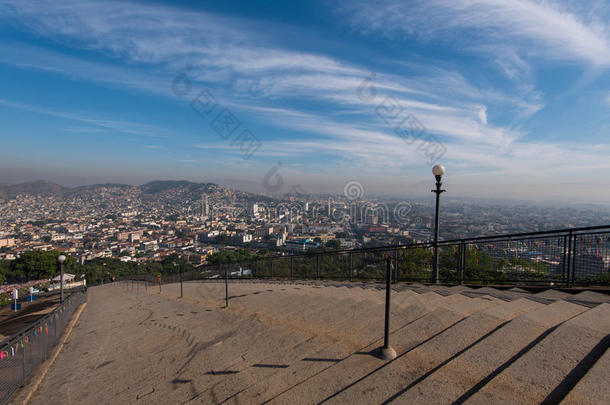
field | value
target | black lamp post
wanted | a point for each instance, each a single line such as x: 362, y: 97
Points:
x: 61, y: 259
x: 438, y: 172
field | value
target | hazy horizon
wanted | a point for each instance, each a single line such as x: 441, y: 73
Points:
x: 420, y: 197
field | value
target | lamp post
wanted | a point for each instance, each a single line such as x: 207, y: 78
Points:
x: 438, y: 172
x: 61, y: 259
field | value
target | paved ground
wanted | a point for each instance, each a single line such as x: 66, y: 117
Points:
x: 314, y: 343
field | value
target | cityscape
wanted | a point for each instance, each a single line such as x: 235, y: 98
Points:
x: 304, y: 202
x: 196, y: 220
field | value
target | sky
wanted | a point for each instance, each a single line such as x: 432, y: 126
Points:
x: 512, y: 97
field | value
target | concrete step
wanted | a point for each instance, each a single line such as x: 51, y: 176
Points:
x: 529, y: 379
x: 450, y: 382
x: 370, y: 334
x: 270, y: 301
x: 355, y: 293
x: 593, y: 387
x: 359, y: 364
x: 396, y: 377
x: 248, y: 374
x: 506, y: 295
x: 298, y: 373
x: 553, y: 295
x: 589, y: 298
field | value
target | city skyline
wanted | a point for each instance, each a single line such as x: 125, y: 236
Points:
x: 511, y: 99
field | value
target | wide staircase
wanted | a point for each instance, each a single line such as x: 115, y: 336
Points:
x: 316, y: 342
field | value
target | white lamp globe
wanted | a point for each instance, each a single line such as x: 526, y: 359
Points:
x: 61, y: 258
x: 438, y: 170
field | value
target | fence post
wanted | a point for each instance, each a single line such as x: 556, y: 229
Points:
x: 351, y: 266
x: 462, y: 262
x: 24, y: 360
x: 395, y: 265
x: 44, y: 341
x: 318, y: 266
x: 291, y: 267
x: 181, y: 282
x: 387, y: 353
x: 573, y: 267
x: 570, y: 263
x: 564, y: 264
x: 226, y: 286
x: 271, y: 264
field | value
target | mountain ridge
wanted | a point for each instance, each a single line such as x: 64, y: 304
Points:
x: 49, y: 188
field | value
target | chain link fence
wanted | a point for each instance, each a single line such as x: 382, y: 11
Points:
x: 21, y: 353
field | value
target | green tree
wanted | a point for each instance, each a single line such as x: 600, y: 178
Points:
x: 231, y: 256
x: 39, y: 264
x: 333, y: 244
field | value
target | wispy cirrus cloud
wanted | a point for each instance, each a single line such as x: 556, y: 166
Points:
x: 310, y: 97
x: 126, y: 127
x: 242, y: 62
x: 548, y: 29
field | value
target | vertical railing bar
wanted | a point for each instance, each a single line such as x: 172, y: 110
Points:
x: 564, y: 264
x: 571, y: 255
x: 395, y: 264
x: 226, y: 286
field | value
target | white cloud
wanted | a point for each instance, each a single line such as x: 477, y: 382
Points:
x: 127, y: 127
x: 537, y: 28
x: 254, y: 74
x: 482, y: 114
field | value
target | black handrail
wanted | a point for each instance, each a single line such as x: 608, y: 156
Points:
x: 565, y: 273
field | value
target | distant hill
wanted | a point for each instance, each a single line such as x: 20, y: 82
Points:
x: 40, y: 187
x: 47, y: 188
x: 105, y: 185
x: 159, y: 186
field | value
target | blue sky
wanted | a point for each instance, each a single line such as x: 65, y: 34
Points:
x: 512, y: 97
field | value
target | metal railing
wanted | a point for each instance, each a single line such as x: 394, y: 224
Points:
x: 566, y: 257
x: 21, y: 353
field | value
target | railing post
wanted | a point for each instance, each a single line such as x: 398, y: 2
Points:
x: 395, y: 265
x: 24, y: 360
x: 569, y: 263
x: 44, y: 341
x: 226, y: 286
x: 351, y: 266
x: 573, y: 267
x: 318, y: 266
x: 291, y: 267
x: 181, y: 296
x: 271, y: 265
x: 387, y: 353
x: 462, y: 262
x: 564, y: 264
